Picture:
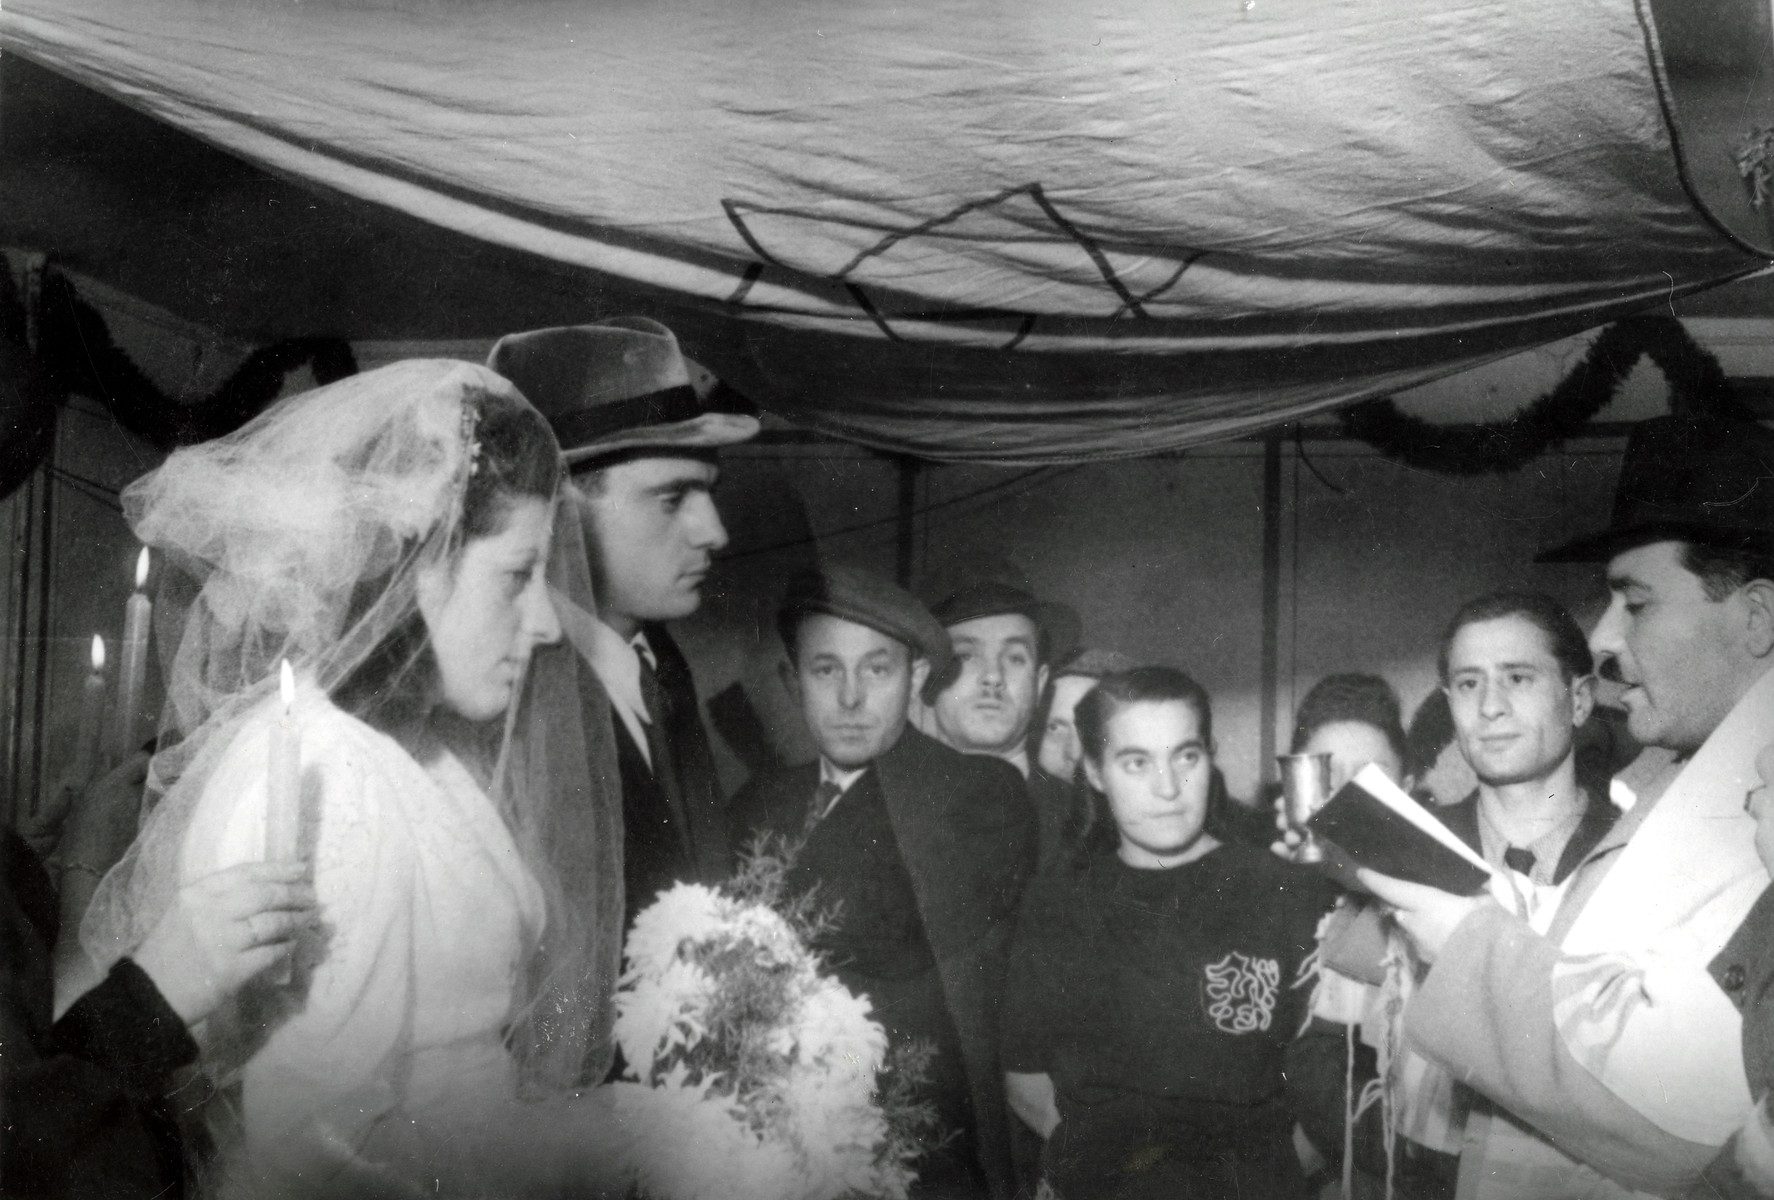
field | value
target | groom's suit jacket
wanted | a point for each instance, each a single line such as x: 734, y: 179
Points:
x: 967, y: 837
x: 665, y: 843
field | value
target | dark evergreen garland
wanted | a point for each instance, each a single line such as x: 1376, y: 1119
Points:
x: 1697, y: 384
x: 27, y: 406
x: 76, y: 353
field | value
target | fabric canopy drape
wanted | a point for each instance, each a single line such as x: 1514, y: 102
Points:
x: 1007, y: 233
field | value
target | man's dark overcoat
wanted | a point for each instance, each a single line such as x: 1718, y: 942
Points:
x: 1057, y: 817
x: 967, y: 836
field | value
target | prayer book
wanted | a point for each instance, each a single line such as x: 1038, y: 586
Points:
x: 1372, y: 823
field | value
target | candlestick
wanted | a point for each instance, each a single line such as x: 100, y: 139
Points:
x: 283, y: 813
x: 85, y: 761
x: 132, y: 675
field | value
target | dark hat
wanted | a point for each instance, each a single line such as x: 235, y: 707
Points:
x: 616, y: 386
x: 1707, y: 480
x: 854, y: 594
x: 1057, y: 624
x: 1090, y: 663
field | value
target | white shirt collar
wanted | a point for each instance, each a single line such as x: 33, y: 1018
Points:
x: 642, y: 648
x: 1020, y: 759
x: 617, y: 662
x: 830, y: 773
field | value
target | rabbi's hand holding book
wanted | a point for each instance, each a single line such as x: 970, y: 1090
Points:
x: 1427, y: 914
x: 1395, y: 848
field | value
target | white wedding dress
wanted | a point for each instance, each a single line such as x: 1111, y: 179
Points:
x: 382, y: 1067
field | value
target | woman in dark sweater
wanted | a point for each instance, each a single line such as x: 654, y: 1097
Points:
x: 81, y: 1097
x: 1150, y: 1000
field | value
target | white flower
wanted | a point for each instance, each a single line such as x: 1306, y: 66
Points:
x: 686, y: 912
x: 661, y: 1011
x: 824, y: 1125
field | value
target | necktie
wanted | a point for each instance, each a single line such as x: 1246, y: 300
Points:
x: 664, y: 766
x: 1519, y: 859
x: 824, y: 796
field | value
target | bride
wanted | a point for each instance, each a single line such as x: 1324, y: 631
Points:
x: 393, y: 537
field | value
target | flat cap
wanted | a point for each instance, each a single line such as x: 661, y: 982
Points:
x: 855, y: 594
x: 1057, y: 624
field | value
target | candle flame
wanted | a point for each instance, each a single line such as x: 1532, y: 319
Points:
x: 98, y: 652
x: 286, y: 684
x: 142, y: 569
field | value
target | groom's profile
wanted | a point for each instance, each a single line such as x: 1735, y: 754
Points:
x: 641, y: 447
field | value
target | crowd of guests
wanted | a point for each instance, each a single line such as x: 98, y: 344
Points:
x: 1126, y: 985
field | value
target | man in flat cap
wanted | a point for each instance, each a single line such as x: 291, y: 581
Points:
x: 923, y: 850
x: 641, y: 447
x: 1609, y: 1045
x: 1004, y: 641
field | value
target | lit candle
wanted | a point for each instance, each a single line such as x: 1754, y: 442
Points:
x: 132, y: 676
x: 283, y: 805
x: 85, y: 762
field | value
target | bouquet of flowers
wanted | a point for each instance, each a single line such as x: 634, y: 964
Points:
x: 755, y: 1074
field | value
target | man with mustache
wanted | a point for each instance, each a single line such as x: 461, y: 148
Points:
x: 642, y: 449
x: 920, y: 851
x: 1611, y: 1056
x: 1005, y: 641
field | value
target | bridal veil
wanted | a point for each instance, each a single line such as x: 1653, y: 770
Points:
x: 300, y: 537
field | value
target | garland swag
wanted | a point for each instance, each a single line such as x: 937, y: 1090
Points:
x: 27, y: 406
x: 1697, y: 385
x: 75, y: 353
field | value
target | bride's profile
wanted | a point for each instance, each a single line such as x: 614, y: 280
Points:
x: 393, y: 537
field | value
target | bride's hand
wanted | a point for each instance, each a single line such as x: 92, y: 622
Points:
x: 222, y: 930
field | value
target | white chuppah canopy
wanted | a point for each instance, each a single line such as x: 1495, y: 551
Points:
x: 1005, y: 233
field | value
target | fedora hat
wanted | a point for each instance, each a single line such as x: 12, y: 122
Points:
x: 1696, y: 479
x: 615, y: 386
x: 1058, y: 624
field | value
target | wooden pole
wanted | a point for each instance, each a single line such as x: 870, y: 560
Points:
x: 1271, y: 669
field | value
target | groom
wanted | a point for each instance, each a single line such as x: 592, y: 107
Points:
x: 642, y: 450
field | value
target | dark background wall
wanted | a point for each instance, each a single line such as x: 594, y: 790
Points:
x: 1259, y: 566
x: 1164, y: 558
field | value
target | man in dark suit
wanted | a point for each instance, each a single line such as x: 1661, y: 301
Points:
x: 641, y: 446
x: 922, y: 850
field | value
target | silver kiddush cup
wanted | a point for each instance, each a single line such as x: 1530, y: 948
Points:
x: 1305, y: 787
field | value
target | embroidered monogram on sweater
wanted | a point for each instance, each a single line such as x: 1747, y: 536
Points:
x: 1241, y: 992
